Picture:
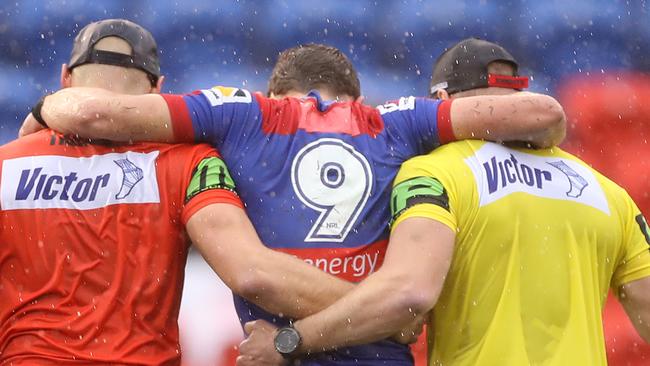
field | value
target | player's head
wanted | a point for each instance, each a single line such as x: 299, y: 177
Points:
x: 475, y: 67
x: 114, y: 54
x: 314, y: 67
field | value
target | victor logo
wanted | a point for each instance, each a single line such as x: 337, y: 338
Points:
x: 500, y: 173
x: 35, y: 185
x: 41, y: 182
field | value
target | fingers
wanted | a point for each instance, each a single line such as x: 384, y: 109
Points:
x: 30, y: 125
x: 248, y: 327
x: 244, y: 360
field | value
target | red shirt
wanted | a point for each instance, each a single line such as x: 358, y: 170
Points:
x: 93, y: 249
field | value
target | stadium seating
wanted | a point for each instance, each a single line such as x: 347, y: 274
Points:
x: 393, y: 44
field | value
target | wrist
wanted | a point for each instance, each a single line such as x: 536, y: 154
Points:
x: 36, y: 112
x: 287, y: 342
x: 304, y: 347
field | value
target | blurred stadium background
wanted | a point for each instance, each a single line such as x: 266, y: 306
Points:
x: 594, y: 55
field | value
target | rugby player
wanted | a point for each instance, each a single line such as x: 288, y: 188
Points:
x: 93, y: 241
x: 315, y: 172
x: 515, y: 247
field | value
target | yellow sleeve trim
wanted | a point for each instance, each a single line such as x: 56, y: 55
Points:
x: 633, y: 270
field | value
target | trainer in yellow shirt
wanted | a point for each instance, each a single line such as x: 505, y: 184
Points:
x: 540, y: 239
x: 514, y: 249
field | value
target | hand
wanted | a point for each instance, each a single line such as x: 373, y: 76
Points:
x: 30, y: 125
x: 410, y: 333
x: 259, y: 348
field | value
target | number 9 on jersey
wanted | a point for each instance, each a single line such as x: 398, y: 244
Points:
x: 333, y: 178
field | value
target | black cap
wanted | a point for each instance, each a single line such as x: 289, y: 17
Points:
x: 144, y: 55
x: 465, y: 66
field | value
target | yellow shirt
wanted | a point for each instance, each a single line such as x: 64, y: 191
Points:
x: 540, y: 239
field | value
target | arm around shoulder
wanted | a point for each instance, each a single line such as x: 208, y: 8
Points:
x: 277, y: 282
x: 101, y: 114
x: 529, y: 117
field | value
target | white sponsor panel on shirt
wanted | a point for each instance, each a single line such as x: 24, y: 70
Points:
x: 86, y: 183
x: 500, y: 171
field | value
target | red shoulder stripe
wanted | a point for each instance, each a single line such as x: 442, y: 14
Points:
x: 180, y: 118
x: 445, y: 129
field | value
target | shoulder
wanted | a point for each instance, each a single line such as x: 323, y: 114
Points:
x: 179, y: 155
x: 610, y: 187
x: 448, y: 154
x: 42, y: 137
x: 220, y: 95
x: 406, y: 105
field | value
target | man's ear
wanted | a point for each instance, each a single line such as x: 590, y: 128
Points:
x: 441, y: 94
x: 66, y: 76
x: 159, y: 84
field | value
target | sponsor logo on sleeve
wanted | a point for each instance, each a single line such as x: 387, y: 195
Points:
x: 500, y: 171
x: 219, y: 95
x: 41, y: 182
x: 403, y: 104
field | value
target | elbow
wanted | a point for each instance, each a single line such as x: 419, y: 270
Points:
x: 421, y: 301
x: 88, y: 113
x: 551, y: 120
x: 417, y: 298
x: 642, y: 326
x: 645, y: 335
x: 252, y: 285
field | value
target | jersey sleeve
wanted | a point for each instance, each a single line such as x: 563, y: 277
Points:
x: 218, y: 115
x: 635, y: 262
x: 208, y: 183
x: 425, y: 188
x: 418, y: 125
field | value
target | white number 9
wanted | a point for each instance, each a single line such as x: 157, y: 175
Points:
x: 334, y: 179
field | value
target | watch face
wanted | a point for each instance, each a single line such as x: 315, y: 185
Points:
x: 287, y: 340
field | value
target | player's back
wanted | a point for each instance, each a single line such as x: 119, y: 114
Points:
x: 540, y: 238
x: 315, y: 176
x: 92, y: 251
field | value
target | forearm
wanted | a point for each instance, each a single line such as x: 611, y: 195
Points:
x: 287, y: 285
x: 407, y: 285
x: 277, y: 282
x: 528, y: 117
x: 377, y: 309
x: 101, y: 114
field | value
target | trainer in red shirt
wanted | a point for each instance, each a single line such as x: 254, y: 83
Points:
x: 93, y: 243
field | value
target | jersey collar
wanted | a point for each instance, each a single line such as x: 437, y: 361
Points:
x: 322, y: 105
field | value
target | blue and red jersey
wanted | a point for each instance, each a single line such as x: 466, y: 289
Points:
x: 315, y: 177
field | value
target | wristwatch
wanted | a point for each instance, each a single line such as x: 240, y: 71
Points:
x: 287, y: 340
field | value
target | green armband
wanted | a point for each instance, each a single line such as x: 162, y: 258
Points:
x: 211, y: 173
x: 417, y: 191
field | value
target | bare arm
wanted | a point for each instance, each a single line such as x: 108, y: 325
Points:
x: 635, y: 298
x: 407, y: 285
x: 529, y: 117
x: 101, y: 114
x: 279, y: 283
